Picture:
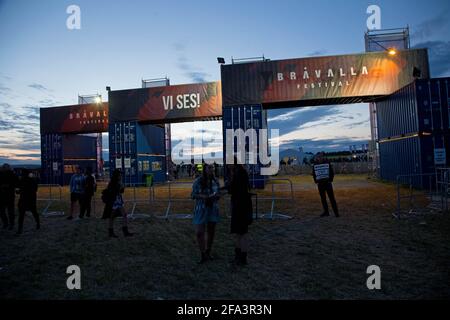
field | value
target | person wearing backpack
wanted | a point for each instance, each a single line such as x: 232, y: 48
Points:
x: 114, y: 204
x: 90, y: 186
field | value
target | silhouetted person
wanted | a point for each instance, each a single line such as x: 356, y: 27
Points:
x: 90, y: 187
x: 27, y: 200
x: 241, y: 211
x: 205, y: 192
x: 114, y: 204
x: 323, y: 175
x: 76, y: 191
x: 8, y: 184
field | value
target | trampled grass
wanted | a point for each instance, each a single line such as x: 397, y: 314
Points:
x: 303, y: 258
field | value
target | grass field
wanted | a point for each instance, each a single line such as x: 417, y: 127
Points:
x: 303, y: 258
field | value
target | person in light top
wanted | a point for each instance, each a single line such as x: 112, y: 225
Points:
x: 323, y: 175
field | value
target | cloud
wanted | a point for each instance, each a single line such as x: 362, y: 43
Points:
x: 317, y: 53
x: 195, y: 74
x: 439, y: 53
x: 432, y: 26
x: 4, y: 90
x: 39, y: 87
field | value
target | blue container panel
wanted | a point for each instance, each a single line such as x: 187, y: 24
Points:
x: 400, y: 157
x: 70, y: 166
x: 433, y: 105
x: 246, y: 117
x: 151, y: 139
x: 51, y: 159
x: 397, y: 115
x: 79, y: 146
x: 155, y: 165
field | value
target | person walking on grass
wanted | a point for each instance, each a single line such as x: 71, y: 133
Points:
x: 323, y: 175
x: 27, y: 200
x: 8, y: 184
x: 90, y: 186
x: 205, y: 192
x: 114, y: 204
x: 241, y: 211
x: 76, y: 192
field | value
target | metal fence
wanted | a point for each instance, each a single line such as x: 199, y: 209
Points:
x: 171, y: 193
x: 420, y: 194
x: 50, y: 194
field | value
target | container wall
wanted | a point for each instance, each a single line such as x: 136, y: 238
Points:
x: 433, y: 105
x: 137, y: 150
x: 397, y: 115
x: 400, y: 157
x: 51, y: 159
x: 247, y: 117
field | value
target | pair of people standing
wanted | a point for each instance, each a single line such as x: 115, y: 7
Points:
x: 26, y: 187
x: 82, y: 190
x: 206, y: 193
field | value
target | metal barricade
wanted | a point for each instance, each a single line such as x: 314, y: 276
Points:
x: 137, y: 199
x: 50, y: 198
x: 431, y: 187
x: 274, y: 198
x: 171, y: 199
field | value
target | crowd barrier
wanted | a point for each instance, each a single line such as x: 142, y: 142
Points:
x: 434, y: 187
x: 171, y: 193
x: 274, y: 198
x: 51, y: 194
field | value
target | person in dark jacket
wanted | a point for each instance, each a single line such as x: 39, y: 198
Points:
x: 241, y: 211
x: 8, y: 184
x: 323, y: 175
x: 76, y: 191
x: 114, y: 204
x: 27, y: 200
x: 90, y: 186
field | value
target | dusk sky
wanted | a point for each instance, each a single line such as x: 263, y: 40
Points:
x: 44, y: 64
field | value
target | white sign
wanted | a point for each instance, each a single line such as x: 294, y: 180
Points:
x: 118, y: 163
x: 440, y: 157
x: 127, y: 163
x: 55, y: 166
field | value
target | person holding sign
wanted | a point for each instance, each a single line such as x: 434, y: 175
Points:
x: 323, y: 175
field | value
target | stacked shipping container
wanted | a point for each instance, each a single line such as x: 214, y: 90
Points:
x: 138, y: 150
x: 412, y: 124
x: 63, y: 153
x: 247, y: 117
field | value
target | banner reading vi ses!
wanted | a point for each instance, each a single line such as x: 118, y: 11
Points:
x: 167, y: 104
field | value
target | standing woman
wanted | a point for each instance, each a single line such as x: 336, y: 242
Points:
x: 205, y: 192
x: 114, y: 204
x: 27, y: 200
x: 241, y: 211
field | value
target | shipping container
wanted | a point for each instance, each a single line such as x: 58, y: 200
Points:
x: 138, y: 150
x: 62, y: 153
x: 412, y: 156
x: 421, y: 107
x: 413, y: 124
x: 247, y: 117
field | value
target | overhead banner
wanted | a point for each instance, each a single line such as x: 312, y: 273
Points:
x: 167, y: 104
x: 333, y: 79
x: 81, y: 118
